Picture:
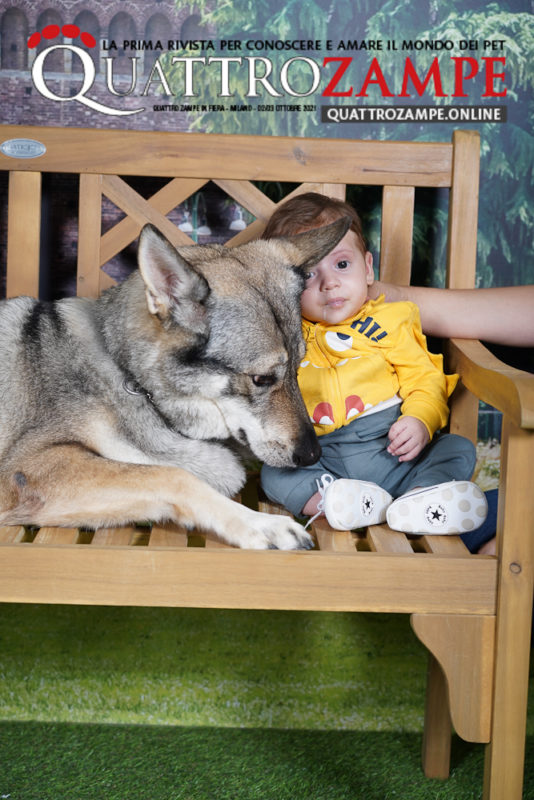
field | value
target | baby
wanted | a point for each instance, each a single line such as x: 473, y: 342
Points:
x: 377, y: 397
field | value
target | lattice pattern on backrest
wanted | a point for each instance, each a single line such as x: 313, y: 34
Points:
x: 233, y: 163
x: 96, y: 249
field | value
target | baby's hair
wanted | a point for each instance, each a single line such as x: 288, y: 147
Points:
x: 311, y: 210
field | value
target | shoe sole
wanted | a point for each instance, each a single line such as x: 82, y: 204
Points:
x: 450, y: 508
x: 355, y: 504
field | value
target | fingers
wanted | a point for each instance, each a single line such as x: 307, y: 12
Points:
x: 400, y: 435
x: 407, y: 438
x: 407, y: 455
x: 404, y: 447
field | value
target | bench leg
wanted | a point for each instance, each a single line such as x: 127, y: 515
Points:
x: 464, y: 646
x: 504, y: 766
x: 436, y: 752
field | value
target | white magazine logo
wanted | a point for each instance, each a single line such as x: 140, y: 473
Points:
x: 89, y: 75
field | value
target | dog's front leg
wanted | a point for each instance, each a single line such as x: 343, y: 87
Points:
x: 68, y: 486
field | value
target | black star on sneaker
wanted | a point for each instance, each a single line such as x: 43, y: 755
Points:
x: 367, y: 505
x: 436, y: 515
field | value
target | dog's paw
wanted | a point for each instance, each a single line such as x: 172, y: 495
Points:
x: 277, y: 532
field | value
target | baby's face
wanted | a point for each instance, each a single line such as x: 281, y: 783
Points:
x: 336, y: 287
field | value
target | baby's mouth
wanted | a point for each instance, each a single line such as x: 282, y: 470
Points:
x: 336, y: 302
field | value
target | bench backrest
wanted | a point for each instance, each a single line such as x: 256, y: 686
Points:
x: 235, y: 163
x: 232, y: 162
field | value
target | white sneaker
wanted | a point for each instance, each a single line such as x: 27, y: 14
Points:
x: 453, y: 507
x: 349, y: 504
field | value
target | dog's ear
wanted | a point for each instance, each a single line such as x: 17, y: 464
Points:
x: 173, y: 287
x: 314, y: 245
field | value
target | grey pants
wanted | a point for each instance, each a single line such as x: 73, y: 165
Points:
x: 359, y: 451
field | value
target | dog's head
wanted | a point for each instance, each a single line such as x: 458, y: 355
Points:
x: 231, y: 338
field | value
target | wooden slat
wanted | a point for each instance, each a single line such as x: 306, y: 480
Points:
x: 463, y: 211
x: 89, y: 227
x: 252, y: 231
x: 235, y: 157
x: 337, y: 190
x: 168, y: 535
x: 113, y: 536
x: 12, y: 534
x: 215, y: 544
x: 332, y: 540
x: 383, y: 540
x: 248, y: 196
x: 267, y: 507
x: 256, y: 228
x: 163, y: 201
x: 47, y: 536
x: 106, y: 281
x: 140, y: 210
x: 463, y: 417
x: 397, y: 234
x: 233, y: 578
x: 23, y: 233
x: 444, y: 545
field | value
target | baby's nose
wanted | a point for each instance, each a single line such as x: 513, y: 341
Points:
x: 329, y: 280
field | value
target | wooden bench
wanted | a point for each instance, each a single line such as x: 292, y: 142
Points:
x: 472, y: 612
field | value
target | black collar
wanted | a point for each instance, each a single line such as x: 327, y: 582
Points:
x: 133, y: 387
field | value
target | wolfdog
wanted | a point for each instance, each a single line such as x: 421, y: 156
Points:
x: 135, y: 406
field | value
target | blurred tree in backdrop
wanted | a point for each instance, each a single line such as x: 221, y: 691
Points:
x: 506, y: 222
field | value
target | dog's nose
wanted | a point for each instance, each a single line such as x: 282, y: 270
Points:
x: 308, y: 449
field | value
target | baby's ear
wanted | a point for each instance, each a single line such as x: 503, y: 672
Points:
x: 308, y: 248
x: 369, y: 270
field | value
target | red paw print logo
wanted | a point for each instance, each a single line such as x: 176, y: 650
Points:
x: 70, y: 31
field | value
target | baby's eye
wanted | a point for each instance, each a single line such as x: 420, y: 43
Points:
x: 308, y: 275
x: 343, y: 264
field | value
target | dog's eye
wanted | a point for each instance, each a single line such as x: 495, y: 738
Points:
x: 263, y: 380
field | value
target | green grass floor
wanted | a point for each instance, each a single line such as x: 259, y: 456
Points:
x: 186, y: 704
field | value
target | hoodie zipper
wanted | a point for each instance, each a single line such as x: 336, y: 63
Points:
x: 337, y: 403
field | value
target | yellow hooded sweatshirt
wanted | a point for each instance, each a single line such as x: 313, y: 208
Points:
x: 377, y: 356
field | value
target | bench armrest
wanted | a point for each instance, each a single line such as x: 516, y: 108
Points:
x: 509, y: 390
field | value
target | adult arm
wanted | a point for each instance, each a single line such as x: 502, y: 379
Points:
x: 504, y: 315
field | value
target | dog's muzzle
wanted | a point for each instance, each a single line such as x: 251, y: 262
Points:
x: 307, y: 450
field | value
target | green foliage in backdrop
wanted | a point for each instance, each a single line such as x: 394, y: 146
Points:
x: 506, y: 225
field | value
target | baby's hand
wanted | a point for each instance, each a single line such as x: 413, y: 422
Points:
x: 407, y: 437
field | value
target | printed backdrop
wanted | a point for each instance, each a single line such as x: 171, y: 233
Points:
x: 401, y: 69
